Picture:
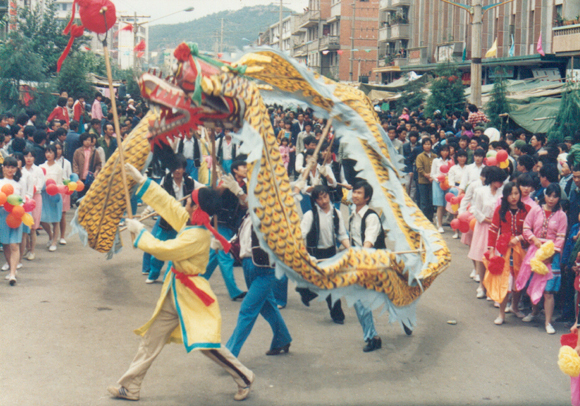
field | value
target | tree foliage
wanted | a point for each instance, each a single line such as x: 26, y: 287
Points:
x: 497, y: 104
x: 412, y: 96
x: 568, y: 119
x: 447, y: 92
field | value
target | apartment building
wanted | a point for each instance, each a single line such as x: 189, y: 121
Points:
x: 417, y: 34
x: 566, y: 36
x: 338, y: 38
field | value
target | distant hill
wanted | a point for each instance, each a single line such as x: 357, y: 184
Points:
x: 245, y: 23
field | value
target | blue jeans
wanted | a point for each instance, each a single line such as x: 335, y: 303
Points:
x: 280, y: 289
x: 226, y: 263
x: 191, y: 169
x: 259, y: 300
x: 365, y: 318
x: 426, y: 200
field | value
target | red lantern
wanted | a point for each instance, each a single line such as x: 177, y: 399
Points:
x: 12, y: 221
x: 7, y: 189
x: 52, y: 190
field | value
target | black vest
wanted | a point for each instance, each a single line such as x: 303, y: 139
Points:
x: 196, y: 151
x: 380, y: 242
x: 314, y: 234
x: 220, y: 150
x: 167, y: 184
x: 260, y: 257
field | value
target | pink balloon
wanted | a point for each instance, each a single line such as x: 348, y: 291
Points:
x: 444, y: 168
x: 50, y: 182
x: 441, y: 178
x: 501, y: 156
x: 29, y: 205
x: 455, y: 224
x: 491, y: 161
x: 464, y: 217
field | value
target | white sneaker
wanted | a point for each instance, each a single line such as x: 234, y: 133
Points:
x: 550, y: 329
x: 440, y: 230
x: 19, y: 266
x: 472, y: 274
x: 31, y: 256
x: 62, y: 241
x: 496, y: 304
x: 476, y: 278
x: 508, y: 308
x: 480, y: 293
x: 456, y: 235
x: 150, y: 280
x: 498, y: 321
x: 528, y: 318
x: 52, y: 248
x: 5, y: 267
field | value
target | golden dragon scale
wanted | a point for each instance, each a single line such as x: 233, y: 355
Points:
x: 394, y: 278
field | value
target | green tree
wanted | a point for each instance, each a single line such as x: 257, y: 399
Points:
x: 568, y: 119
x: 412, y: 96
x: 73, y: 76
x: 498, y: 103
x: 447, y: 92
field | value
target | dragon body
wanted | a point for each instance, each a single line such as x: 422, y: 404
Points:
x: 208, y: 93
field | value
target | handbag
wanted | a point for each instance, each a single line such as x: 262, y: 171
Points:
x: 90, y: 175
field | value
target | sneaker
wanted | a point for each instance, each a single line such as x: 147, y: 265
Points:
x: 52, y: 248
x: 31, y: 256
x: 5, y: 267
x: 496, y: 304
x: 145, y: 273
x: 480, y: 293
x: 150, y: 280
x: 472, y: 274
x: 440, y: 230
x: 498, y: 321
x: 12, y: 280
x: 508, y: 308
x: 528, y: 318
x: 550, y: 329
x: 7, y: 277
x: 244, y: 391
x: 121, y: 392
x: 19, y: 266
x: 456, y: 235
x: 519, y: 314
x: 62, y: 241
x: 476, y: 278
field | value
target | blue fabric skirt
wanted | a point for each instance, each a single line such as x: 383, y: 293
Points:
x: 438, y: 195
x: 9, y: 235
x: 51, y: 208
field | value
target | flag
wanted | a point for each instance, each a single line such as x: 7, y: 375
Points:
x: 128, y: 27
x: 512, y: 50
x: 539, y: 47
x: 464, y: 51
x: 325, y: 52
x: 368, y: 50
x: 339, y: 52
x: 140, y: 54
x: 492, y: 52
x: 140, y: 46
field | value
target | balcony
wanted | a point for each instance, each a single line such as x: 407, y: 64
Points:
x: 393, y: 4
x: 309, y: 19
x: 335, y: 11
x: 384, y: 34
x: 399, y: 31
x: 313, y: 45
x: 330, y: 43
x: 300, y: 50
x: 417, y: 56
x: 384, y: 4
x: 566, y: 39
x: 401, y: 61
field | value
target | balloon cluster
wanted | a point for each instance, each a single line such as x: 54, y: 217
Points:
x: 464, y: 222
x: 497, y: 159
x: 69, y: 187
x: 453, y: 198
x: 18, y: 209
x: 442, y: 179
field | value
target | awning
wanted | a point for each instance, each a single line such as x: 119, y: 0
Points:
x: 385, y: 69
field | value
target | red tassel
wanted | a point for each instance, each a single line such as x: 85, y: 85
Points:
x: 72, y: 18
x: 75, y: 32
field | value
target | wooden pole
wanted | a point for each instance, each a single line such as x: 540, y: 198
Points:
x: 213, y: 180
x: 117, y: 128
x: 152, y: 214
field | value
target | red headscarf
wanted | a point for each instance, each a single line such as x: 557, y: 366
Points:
x: 201, y: 218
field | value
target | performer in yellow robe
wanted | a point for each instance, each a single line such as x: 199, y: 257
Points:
x: 187, y: 311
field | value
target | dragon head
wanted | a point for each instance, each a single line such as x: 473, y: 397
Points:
x: 178, y: 102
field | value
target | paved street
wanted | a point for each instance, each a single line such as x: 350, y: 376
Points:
x: 66, y: 335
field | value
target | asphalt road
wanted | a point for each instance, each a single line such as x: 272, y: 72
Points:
x: 66, y: 334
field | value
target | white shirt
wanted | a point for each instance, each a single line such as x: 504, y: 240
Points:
x: 455, y: 175
x: 316, y: 179
x: 53, y: 172
x: 37, y: 177
x: 469, y: 195
x: 484, y: 203
x: 245, y: 238
x: 372, y: 228
x: 470, y: 175
x: 188, y: 148
x: 326, y: 229
x: 435, y: 168
x: 227, y: 148
x: 66, y: 167
x: 178, y: 190
x: 299, y: 165
x: 19, y: 186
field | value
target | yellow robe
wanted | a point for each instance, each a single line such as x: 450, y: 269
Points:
x: 199, y: 325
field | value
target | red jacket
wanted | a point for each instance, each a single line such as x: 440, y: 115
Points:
x: 59, y: 113
x: 78, y: 110
x: 513, y: 225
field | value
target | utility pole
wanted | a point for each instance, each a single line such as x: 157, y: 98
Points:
x: 221, y: 49
x: 135, y: 29
x: 476, y: 12
x: 352, y: 20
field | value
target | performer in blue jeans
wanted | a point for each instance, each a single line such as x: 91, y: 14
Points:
x: 260, y: 280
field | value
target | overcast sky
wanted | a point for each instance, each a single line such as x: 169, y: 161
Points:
x: 159, y: 8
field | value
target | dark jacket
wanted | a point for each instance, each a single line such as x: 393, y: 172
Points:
x: 71, y: 144
x: 196, y: 151
x: 167, y: 184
